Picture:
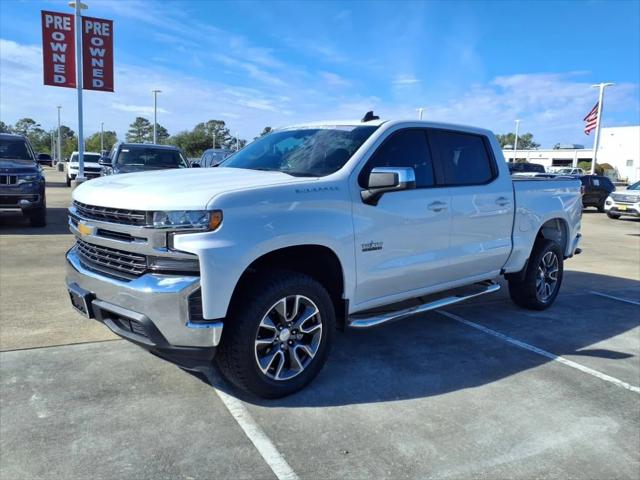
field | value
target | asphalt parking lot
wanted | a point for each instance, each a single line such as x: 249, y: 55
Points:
x: 483, y: 389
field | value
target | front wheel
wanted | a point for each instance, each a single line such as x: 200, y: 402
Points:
x: 540, y: 285
x: 615, y: 216
x: 278, y: 335
x: 68, y: 181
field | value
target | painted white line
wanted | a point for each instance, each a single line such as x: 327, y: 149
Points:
x: 263, y: 444
x: 625, y: 300
x: 544, y: 353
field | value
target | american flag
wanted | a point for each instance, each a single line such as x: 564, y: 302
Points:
x: 591, y: 120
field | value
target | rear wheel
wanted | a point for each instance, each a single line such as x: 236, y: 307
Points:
x: 541, y: 283
x: 68, y: 181
x: 278, y: 335
x: 615, y: 216
x: 601, y: 206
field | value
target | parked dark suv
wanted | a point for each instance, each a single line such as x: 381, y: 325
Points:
x: 21, y: 179
x: 141, y: 157
x: 596, y: 191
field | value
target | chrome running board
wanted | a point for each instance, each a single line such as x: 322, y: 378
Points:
x: 367, y: 321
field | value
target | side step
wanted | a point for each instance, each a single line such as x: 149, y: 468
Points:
x: 372, y: 320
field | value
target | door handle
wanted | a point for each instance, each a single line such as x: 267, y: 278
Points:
x: 437, y: 206
x: 502, y: 201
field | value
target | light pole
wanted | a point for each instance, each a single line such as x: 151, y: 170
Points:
x: 59, y: 149
x: 420, y: 111
x: 155, y: 115
x: 214, y: 139
x: 515, y: 142
x: 79, y: 6
x: 596, y: 139
x: 101, y: 137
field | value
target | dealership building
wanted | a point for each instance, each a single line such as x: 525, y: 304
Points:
x: 619, y: 147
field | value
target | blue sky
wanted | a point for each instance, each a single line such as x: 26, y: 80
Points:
x: 276, y: 63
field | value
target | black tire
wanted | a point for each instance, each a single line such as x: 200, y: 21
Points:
x: 68, y: 181
x: 524, y: 292
x: 614, y: 216
x: 237, y: 355
x: 601, y: 206
x: 38, y: 217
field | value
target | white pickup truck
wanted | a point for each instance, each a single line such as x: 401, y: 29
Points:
x: 309, y: 229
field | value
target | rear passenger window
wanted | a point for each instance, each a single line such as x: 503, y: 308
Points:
x: 405, y: 148
x: 463, y: 157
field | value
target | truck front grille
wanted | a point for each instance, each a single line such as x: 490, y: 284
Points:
x: 622, y: 198
x: 113, y: 215
x: 111, y: 261
x: 8, y: 180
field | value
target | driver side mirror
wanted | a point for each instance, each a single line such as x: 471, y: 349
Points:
x: 387, y: 179
x: 105, y: 161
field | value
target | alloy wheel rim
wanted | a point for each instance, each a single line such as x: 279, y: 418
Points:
x: 547, y: 276
x: 288, y: 337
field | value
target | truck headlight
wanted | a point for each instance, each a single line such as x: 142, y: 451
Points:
x: 30, y: 178
x: 188, y: 219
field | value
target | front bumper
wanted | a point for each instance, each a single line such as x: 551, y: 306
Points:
x: 150, y: 311
x: 626, y: 209
x: 22, y: 197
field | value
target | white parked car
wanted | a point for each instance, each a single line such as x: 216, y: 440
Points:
x: 624, y: 202
x: 92, y: 169
x: 569, y: 171
x: 313, y: 227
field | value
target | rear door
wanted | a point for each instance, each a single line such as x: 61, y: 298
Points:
x: 482, y: 205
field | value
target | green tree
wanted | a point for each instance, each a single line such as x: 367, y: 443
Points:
x: 196, y: 141
x: 162, y: 134
x: 92, y: 143
x: 4, y: 128
x: 39, y: 138
x: 69, y: 141
x: 266, y: 131
x: 525, y: 141
x: 140, y: 131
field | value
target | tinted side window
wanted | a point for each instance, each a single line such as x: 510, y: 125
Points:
x: 405, y: 148
x: 463, y: 157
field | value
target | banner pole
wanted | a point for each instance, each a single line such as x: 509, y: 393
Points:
x: 596, y: 139
x: 79, y: 6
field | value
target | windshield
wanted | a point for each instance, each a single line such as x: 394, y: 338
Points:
x: 88, y: 157
x: 141, y: 156
x: 635, y: 186
x: 15, y: 149
x: 311, y: 152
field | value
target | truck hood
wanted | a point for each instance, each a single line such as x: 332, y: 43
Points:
x: 177, y: 189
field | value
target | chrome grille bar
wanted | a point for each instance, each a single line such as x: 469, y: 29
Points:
x: 113, y: 215
x: 131, y: 264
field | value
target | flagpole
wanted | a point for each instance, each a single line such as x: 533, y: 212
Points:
x: 596, y: 138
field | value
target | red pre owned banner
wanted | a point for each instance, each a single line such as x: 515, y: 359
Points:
x: 97, y: 54
x: 58, y: 49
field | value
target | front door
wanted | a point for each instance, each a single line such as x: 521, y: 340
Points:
x: 402, y: 242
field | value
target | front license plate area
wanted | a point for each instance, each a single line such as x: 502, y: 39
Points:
x: 622, y: 207
x: 81, y: 300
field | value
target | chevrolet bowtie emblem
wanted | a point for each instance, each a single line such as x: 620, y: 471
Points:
x: 84, y: 229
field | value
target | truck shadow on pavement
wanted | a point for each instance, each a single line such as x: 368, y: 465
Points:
x: 14, y: 223
x: 434, y: 355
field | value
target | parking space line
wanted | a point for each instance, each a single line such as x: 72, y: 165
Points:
x: 544, y: 353
x: 263, y: 444
x: 626, y: 300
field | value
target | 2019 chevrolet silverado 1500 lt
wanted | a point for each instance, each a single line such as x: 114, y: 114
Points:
x: 313, y: 227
